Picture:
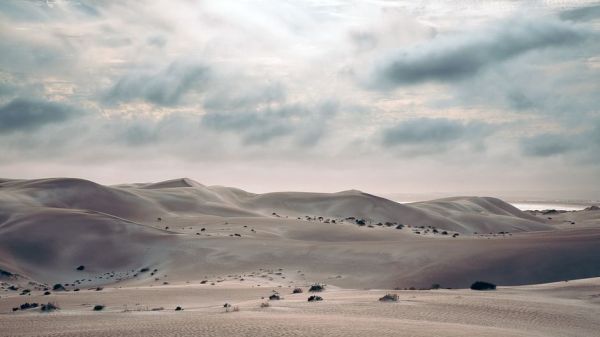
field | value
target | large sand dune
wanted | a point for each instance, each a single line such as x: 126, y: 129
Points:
x: 48, y: 227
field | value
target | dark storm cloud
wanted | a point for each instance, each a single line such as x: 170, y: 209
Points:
x: 454, y: 57
x: 28, y: 114
x: 432, y: 131
x: 167, y: 87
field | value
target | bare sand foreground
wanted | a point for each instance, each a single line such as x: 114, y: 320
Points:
x: 559, y: 309
x: 141, y: 250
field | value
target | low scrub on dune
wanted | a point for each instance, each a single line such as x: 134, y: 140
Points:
x: 58, y: 287
x: 314, y: 298
x: 49, y: 307
x: 389, y: 298
x: 482, y: 285
x: 316, y: 287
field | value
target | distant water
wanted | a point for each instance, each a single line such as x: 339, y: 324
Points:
x: 529, y: 206
x: 532, y: 205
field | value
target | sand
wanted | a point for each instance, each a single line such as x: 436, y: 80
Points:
x: 559, y: 309
x: 179, y: 242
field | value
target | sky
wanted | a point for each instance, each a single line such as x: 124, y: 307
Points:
x: 464, y: 97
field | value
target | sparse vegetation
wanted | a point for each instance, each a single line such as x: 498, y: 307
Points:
x: 297, y: 291
x: 27, y: 305
x: 482, y: 285
x: 314, y: 298
x: 389, y: 298
x: 265, y: 305
x: 98, y: 307
x: 274, y: 297
x: 178, y: 308
x: 435, y: 286
x: 49, y: 307
x: 80, y: 268
x: 4, y: 273
x: 316, y: 287
x: 58, y: 287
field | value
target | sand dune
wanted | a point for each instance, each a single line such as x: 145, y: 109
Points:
x: 179, y: 242
x: 50, y: 226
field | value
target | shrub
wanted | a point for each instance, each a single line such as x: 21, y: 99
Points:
x: 47, y: 293
x: 4, y: 273
x: 436, y: 286
x: 27, y: 305
x: 297, y: 291
x: 274, y: 297
x: 265, y: 305
x: 389, y: 298
x: 143, y: 270
x: 58, y: 287
x: 98, y: 307
x: 481, y: 285
x: 178, y: 308
x: 315, y: 298
x: 80, y: 268
x: 48, y: 307
x: 316, y: 287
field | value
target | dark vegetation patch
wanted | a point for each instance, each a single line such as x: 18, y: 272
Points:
x: 482, y: 285
x: 389, y: 298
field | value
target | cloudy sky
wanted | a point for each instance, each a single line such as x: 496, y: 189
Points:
x: 383, y: 96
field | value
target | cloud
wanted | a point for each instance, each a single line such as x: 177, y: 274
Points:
x: 454, y: 57
x: 587, y: 13
x: 432, y: 130
x: 304, y: 124
x: 428, y: 136
x: 555, y: 144
x: 29, y: 114
x: 166, y: 87
x: 547, y: 144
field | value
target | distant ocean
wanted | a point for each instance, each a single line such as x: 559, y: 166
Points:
x: 528, y: 206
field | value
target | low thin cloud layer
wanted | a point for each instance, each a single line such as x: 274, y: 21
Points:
x: 23, y: 114
x: 267, y: 94
x: 166, y: 87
